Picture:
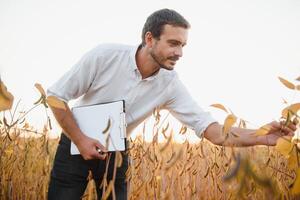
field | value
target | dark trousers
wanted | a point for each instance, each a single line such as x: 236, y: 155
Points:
x: 69, y: 174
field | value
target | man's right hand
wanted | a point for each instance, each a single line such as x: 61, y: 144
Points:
x: 89, y: 149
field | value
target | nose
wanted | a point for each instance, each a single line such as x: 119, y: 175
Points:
x: 178, y: 52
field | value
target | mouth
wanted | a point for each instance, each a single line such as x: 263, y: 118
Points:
x: 173, y: 62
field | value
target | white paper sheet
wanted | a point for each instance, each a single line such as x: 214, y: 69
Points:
x: 94, y: 120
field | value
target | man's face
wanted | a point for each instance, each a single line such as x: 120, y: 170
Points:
x: 167, y: 49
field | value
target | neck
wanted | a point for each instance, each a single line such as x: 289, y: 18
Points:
x: 145, y: 63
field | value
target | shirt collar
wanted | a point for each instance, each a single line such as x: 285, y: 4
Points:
x: 132, y: 56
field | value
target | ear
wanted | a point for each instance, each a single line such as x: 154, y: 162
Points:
x: 149, y: 39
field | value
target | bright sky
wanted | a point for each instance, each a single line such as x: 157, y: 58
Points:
x: 235, y: 52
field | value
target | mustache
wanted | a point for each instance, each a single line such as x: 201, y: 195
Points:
x: 173, y: 58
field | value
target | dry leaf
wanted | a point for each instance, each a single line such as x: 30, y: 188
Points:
x: 183, y: 130
x: 292, y: 108
x: 108, y: 190
x: 107, y: 127
x: 55, y: 102
x: 45, y: 129
x: 220, y: 106
x: 169, y: 139
x: 298, y: 79
x: 6, y: 98
x: 284, y: 101
x: 292, y: 160
x: 296, y: 140
x: 233, y: 172
x: 229, y: 122
x: 287, y: 83
x: 174, y: 158
x: 242, y: 124
x: 90, y: 176
x: 164, y: 147
x: 26, y: 125
x: 298, y: 87
x: 264, y: 130
x: 40, y: 89
x: 284, y: 145
x: 9, y: 151
x: 119, y: 159
x: 296, y: 186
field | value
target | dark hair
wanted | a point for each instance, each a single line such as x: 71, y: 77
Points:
x: 156, y: 21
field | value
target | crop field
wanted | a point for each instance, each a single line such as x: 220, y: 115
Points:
x: 158, y: 170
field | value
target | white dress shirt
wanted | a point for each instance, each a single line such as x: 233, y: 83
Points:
x: 109, y: 73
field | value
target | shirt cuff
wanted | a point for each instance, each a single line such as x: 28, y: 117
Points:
x: 201, y: 127
x: 49, y: 93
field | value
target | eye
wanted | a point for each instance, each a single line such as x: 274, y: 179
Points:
x: 174, y: 43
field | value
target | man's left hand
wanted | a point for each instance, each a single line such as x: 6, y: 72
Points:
x: 277, y: 130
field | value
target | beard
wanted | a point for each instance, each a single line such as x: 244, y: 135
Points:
x: 160, y: 60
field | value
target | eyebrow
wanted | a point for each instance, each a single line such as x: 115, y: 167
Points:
x: 176, y: 42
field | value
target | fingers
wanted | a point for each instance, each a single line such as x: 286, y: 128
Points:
x: 101, y: 151
x: 92, y: 149
x: 291, y: 134
x: 287, y: 128
x: 101, y: 155
x: 292, y: 125
x: 100, y: 146
x: 95, y: 154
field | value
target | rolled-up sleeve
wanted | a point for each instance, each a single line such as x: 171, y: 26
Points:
x: 182, y: 106
x: 77, y: 80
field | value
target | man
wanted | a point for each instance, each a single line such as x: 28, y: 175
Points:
x: 143, y: 76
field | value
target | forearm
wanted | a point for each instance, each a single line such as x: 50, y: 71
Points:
x: 88, y: 147
x: 67, y: 122
x: 239, y: 137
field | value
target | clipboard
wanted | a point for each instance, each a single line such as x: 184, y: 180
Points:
x: 104, y: 122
